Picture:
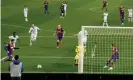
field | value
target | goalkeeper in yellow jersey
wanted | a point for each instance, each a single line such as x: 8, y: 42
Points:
x: 77, y: 50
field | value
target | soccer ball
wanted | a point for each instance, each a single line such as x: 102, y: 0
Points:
x: 39, y: 66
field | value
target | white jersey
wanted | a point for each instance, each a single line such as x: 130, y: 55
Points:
x: 105, y: 15
x: 130, y: 12
x: 15, y: 38
x: 34, y: 30
x: 25, y: 10
x: 65, y: 6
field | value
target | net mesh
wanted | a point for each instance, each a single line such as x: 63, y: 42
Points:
x: 99, y: 50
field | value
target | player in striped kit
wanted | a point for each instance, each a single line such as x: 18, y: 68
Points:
x: 33, y: 31
x: 113, y: 58
x: 9, y: 48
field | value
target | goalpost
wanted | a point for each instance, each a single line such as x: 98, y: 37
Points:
x: 99, y: 49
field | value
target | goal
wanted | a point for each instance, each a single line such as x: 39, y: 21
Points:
x: 99, y: 50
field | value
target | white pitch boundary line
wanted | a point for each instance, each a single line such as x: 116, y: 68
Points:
x: 29, y: 27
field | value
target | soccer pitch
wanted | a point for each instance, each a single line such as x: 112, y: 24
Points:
x: 44, y: 51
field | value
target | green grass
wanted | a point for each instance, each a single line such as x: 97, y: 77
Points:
x: 44, y: 50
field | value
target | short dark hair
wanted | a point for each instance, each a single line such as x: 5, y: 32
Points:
x: 14, y: 33
x: 113, y: 45
x: 16, y: 57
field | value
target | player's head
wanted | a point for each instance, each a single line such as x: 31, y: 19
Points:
x: 32, y: 25
x: 12, y: 41
x: 113, y: 46
x: 59, y: 26
x: 14, y: 34
x: 16, y: 57
x: 64, y: 2
x: 121, y: 6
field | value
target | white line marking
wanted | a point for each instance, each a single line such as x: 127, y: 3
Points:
x: 29, y: 27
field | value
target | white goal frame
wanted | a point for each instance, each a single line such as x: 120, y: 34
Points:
x: 81, y: 55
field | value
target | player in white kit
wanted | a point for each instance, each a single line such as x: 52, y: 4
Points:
x: 33, y: 31
x: 83, y: 34
x: 26, y: 13
x: 105, y: 18
x: 15, y: 38
x: 130, y: 15
x: 65, y: 7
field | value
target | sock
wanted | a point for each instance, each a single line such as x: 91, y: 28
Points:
x: 60, y: 42
x: 111, y: 64
x: 57, y: 43
x: 108, y: 62
x: 30, y: 42
x: 26, y: 19
x: 122, y: 20
x: 107, y: 24
x: 103, y: 23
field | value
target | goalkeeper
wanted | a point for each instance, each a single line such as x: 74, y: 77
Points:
x: 77, y: 50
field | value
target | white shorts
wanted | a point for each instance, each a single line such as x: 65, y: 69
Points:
x: 76, y: 57
x: 105, y: 20
x: 25, y: 14
x: 33, y: 37
x: 130, y: 16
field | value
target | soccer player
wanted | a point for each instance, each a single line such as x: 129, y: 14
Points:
x: 114, y: 58
x: 60, y: 34
x: 121, y: 9
x: 26, y: 13
x: 62, y: 11
x: 104, y: 5
x: 65, y: 7
x: 15, y: 38
x: 77, y: 50
x: 85, y: 34
x: 105, y: 18
x: 9, y: 48
x: 130, y: 15
x: 33, y: 31
x: 46, y: 7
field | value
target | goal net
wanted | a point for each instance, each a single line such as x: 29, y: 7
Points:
x: 99, y: 50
